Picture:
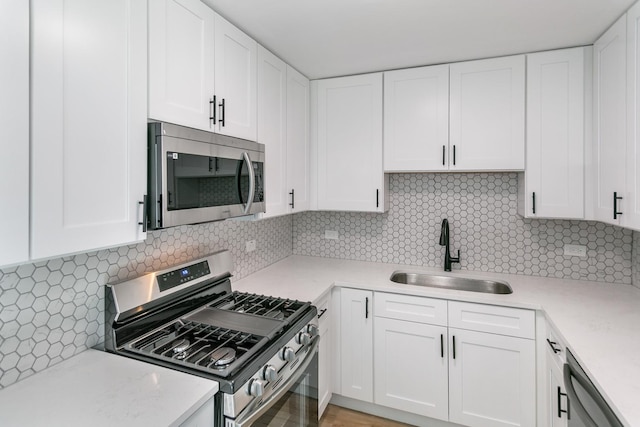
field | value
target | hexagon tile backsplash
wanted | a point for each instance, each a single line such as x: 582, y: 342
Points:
x: 54, y: 309
x: 485, y: 226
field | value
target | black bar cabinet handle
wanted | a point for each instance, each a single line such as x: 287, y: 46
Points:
x: 443, y: 155
x: 322, y: 312
x: 377, y: 198
x: 144, y: 213
x: 454, y: 346
x: 560, y: 410
x: 366, y: 307
x: 454, y: 155
x: 293, y: 199
x: 222, y: 113
x: 212, y: 108
x: 552, y: 344
x: 534, y: 202
x: 442, y: 346
x: 615, y: 205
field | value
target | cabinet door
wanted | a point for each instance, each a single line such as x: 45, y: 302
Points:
x: 555, y: 134
x: 272, y: 99
x: 14, y: 121
x: 609, y: 92
x: 487, y: 114
x: 181, y: 55
x: 631, y: 217
x: 325, y: 355
x: 88, y: 123
x: 349, y: 115
x: 236, y: 56
x: 298, y: 154
x: 356, y: 344
x: 492, y: 380
x: 558, y: 402
x: 416, y: 119
x: 415, y: 381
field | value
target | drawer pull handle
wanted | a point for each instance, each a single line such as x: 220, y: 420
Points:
x: 552, y: 344
x: 322, y: 312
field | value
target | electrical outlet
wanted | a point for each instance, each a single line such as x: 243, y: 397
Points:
x: 331, y: 234
x: 251, y: 245
x: 575, y: 250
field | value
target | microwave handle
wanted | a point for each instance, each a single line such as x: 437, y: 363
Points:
x: 252, y: 183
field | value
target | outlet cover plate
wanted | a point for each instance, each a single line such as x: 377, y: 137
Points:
x: 331, y: 234
x: 251, y: 245
x: 575, y: 250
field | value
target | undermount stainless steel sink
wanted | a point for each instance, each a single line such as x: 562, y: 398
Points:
x: 451, y: 282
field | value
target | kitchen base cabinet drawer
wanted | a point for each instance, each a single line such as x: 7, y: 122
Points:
x: 493, y: 319
x: 413, y: 309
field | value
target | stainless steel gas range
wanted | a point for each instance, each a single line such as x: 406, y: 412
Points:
x: 262, y: 350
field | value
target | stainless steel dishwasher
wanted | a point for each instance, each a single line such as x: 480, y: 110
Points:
x: 588, y: 407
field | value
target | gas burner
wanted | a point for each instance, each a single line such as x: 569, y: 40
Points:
x: 223, y: 356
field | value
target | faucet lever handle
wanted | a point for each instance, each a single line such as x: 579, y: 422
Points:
x: 456, y: 259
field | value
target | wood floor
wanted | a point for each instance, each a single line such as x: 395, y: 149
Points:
x: 336, y: 416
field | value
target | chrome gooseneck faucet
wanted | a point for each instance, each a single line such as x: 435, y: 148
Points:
x: 444, y: 241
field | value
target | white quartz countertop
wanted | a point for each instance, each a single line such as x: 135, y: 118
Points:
x: 599, y: 322
x: 100, y: 389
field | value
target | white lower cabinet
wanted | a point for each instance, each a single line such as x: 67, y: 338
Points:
x: 325, y: 355
x: 203, y: 417
x: 428, y: 360
x: 491, y: 379
x: 411, y: 367
x: 356, y: 343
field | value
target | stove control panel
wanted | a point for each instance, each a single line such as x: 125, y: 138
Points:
x: 183, y: 275
x: 268, y: 379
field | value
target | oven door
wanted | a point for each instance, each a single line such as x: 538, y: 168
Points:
x: 202, y: 182
x: 294, y: 405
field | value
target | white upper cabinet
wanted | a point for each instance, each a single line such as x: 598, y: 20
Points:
x: 348, y: 114
x: 202, y: 70
x: 14, y: 121
x: 283, y: 126
x: 487, y: 105
x: 631, y: 217
x: 609, y: 98
x: 416, y: 119
x: 236, y: 56
x: 298, y: 154
x: 88, y: 124
x: 181, y: 58
x: 553, y: 185
x: 272, y: 124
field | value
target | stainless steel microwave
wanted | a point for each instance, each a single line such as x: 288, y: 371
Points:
x: 197, y: 176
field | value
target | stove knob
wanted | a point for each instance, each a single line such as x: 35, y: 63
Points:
x: 312, y: 330
x: 287, y: 354
x: 303, y: 338
x: 255, y: 388
x: 269, y: 373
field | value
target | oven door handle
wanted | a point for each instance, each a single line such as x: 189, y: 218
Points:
x: 252, y: 183
x: 252, y: 414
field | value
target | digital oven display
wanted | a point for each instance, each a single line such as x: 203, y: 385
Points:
x: 183, y: 275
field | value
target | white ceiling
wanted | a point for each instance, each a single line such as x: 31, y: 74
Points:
x: 340, y: 37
